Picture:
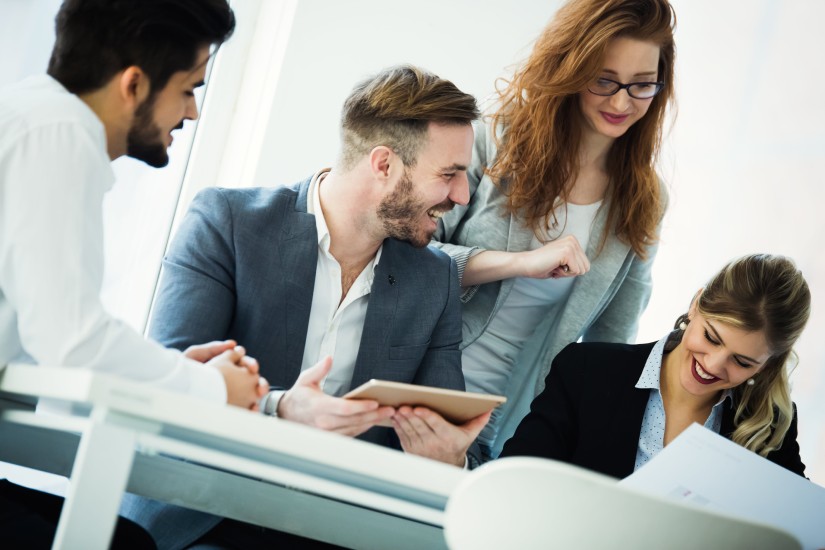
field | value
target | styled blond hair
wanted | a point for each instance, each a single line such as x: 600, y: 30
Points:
x: 761, y: 292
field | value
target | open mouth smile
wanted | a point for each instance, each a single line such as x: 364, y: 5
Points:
x: 701, y: 375
x: 436, y: 215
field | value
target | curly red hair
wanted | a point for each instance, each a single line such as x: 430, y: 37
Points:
x: 539, y: 110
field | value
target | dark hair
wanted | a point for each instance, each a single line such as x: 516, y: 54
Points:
x: 394, y: 108
x: 95, y: 39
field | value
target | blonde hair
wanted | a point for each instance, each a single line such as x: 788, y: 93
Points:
x: 767, y: 293
x: 394, y: 108
x: 537, y: 155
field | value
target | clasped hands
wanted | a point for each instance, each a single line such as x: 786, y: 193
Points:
x: 422, y: 432
x: 244, y: 386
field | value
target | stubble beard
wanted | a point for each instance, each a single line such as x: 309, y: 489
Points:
x: 398, y: 213
x: 143, y: 141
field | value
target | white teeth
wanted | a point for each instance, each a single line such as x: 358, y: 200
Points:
x: 435, y: 214
x: 702, y: 372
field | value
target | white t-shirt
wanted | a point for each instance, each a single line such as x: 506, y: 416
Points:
x: 488, y: 362
x: 54, y: 171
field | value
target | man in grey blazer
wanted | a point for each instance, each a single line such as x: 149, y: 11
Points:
x: 330, y: 283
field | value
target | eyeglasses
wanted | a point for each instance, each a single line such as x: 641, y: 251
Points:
x: 636, y: 90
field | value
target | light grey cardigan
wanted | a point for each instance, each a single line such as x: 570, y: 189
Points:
x: 604, y: 305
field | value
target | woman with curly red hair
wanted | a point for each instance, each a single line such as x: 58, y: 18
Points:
x: 557, y: 241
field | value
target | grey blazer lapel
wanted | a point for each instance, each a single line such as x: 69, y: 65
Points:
x: 298, y: 248
x: 381, y: 311
x: 518, y: 240
x: 589, y: 291
x: 518, y: 237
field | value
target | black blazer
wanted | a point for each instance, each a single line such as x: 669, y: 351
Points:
x: 590, y: 412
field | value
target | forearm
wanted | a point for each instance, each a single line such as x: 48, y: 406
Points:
x: 492, y: 265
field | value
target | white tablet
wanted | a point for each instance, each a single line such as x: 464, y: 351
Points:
x: 455, y: 406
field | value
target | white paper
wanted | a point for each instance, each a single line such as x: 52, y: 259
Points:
x: 704, y: 469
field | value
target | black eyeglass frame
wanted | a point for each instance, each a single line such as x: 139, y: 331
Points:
x: 620, y: 86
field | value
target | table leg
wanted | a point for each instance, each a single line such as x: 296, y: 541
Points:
x: 99, y: 476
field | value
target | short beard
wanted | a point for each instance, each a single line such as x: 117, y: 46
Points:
x: 144, y: 140
x: 400, y: 211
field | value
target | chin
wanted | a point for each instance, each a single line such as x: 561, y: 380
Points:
x: 614, y: 132
x: 155, y: 156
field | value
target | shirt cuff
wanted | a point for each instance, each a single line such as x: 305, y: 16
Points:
x: 269, y: 403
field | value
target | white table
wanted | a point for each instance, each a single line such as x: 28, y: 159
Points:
x: 130, y: 436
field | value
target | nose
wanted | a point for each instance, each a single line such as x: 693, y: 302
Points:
x: 620, y: 101
x: 460, y: 189
x: 714, y: 363
x: 191, y: 112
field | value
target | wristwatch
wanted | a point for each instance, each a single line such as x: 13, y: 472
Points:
x: 270, y: 402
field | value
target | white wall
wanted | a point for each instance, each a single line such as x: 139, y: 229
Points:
x: 26, y: 37
x: 335, y: 44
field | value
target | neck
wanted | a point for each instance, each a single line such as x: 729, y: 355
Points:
x: 99, y: 101
x: 592, y: 179
x: 673, y: 394
x: 346, y: 203
x: 593, y: 150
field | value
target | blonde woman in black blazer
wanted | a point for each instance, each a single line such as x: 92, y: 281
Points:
x: 725, y: 366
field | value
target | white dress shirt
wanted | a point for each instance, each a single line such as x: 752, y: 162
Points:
x: 652, y: 433
x: 54, y: 171
x: 335, y: 329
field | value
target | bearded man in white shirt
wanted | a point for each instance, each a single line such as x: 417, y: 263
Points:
x: 120, y: 79
x: 330, y: 282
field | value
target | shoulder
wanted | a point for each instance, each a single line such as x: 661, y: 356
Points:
x: 249, y: 201
x: 427, y: 259
x: 484, y: 145
x: 38, y: 107
x: 600, y: 362
x: 664, y: 193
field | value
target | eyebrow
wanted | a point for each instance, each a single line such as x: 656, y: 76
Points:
x: 716, y: 335
x: 646, y: 73
x: 459, y: 167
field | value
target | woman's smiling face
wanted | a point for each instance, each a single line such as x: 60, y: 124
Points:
x: 626, y: 60
x: 717, y: 356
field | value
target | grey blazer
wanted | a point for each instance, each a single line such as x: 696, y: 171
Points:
x: 604, y: 305
x: 242, y: 266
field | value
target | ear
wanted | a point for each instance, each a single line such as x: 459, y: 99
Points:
x: 133, y: 86
x: 380, y: 160
x: 692, y: 310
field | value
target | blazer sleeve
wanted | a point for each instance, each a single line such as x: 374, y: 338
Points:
x: 441, y: 366
x: 787, y: 455
x: 196, y: 299
x: 619, y: 321
x: 550, y: 428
